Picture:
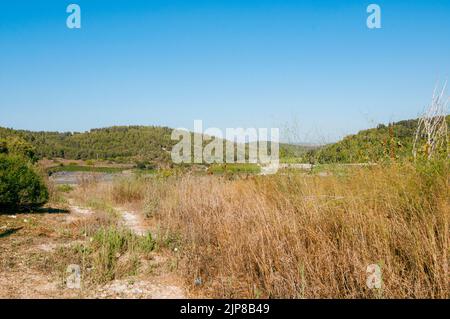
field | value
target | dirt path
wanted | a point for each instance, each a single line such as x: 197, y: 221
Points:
x: 29, y: 244
x: 160, y: 287
x: 135, y: 222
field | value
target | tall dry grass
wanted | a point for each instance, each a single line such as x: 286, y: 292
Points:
x: 130, y: 190
x: 306, y: 236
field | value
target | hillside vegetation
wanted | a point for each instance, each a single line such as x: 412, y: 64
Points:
x: 118, y: 143
x: 394, y: 141
x: 153, y: 144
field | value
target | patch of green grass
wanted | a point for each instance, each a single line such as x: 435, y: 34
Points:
x: 111, y: 253
x: 292, y: 160
x: 65, y: 188
x: 101, y: 205
x: 116, y: 252
x: 78, y: 168
x: 245, y: 168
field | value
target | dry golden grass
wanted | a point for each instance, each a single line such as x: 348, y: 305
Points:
x: 300, y: 236
x: 102, y: 196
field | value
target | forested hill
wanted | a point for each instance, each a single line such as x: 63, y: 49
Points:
x: 372, y: 145
x: 117, y: 143
x: 153, y: 144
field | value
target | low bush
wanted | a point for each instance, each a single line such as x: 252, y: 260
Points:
x: 20, y: 185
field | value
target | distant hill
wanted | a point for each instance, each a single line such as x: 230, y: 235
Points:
x: 117, y: 143
x: 385, y: 141
x: 127, y: 144
x: 120, y: 143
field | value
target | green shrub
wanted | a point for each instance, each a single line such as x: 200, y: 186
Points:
x: 20, y: 186
x: 90, y: 162
x: 16, y: 146
x: 116, y: 251
x: 141, y: 165
x: 65, y: 188
x: 245, y: 168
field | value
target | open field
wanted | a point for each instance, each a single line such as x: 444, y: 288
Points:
x: 136, y: 230
x: 257, y: 153
x: 300, y: 236
x: 292, y: 235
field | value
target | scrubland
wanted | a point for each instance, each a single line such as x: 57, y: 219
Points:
x: 299, y: 234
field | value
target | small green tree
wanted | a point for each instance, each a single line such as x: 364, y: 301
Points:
x: 20, y: 186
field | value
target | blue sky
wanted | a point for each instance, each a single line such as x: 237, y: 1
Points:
x: 312, y: 65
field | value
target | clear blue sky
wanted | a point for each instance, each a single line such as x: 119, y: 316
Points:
x: 311, y: 64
